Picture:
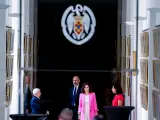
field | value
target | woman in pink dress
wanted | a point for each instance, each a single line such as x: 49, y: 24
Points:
x: 118, y: 99
x: 87, y: 103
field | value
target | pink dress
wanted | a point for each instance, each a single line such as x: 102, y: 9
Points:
x: 87, y: 106
x: 86, y: 110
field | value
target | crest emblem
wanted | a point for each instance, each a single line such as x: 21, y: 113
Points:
x: 78, y: 25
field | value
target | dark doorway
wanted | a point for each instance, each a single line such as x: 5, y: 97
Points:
x: 57, y: 53
x: 56, y: 86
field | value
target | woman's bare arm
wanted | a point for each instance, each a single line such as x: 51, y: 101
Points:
x: 120, y: 103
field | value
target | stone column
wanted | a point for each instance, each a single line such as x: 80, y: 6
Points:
x: 3, y: 8
x: 35, y: 33
x: 14, y: 16
x: 31, y: 32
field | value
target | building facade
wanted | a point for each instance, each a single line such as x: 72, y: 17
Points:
x: 139, y: 52
x: 137, y: 49
x: 12, y: 63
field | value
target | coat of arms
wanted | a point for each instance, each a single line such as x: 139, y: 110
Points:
x: 78, y: 24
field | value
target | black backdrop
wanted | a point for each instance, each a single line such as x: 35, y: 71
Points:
x: 57, y: 53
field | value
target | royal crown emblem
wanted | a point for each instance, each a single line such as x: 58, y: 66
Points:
x: 78, y: 25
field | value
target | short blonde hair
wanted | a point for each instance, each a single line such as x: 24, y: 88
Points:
x: 66, y: 114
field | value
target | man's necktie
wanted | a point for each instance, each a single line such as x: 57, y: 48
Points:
x: 75, y: 90
x: 74, y: 96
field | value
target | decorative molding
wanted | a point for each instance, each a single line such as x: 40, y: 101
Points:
x: 14, y: 14
x: 141, y: 18
x: 130, y: 23
x: 4, y: 6
x: 154, y: 9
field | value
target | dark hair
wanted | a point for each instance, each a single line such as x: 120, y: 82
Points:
x: 90, y: 88
x: 66, y: 114
x: 98, y: 117
x: 26, y: 73
x: 118, y: 88
x: 108, y: 92
x: 116, y: 78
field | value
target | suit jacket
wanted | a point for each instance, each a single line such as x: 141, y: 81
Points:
x: 36, y: 106
x: 77, y: 97
x: 92, y: 106
x: 28, y: 97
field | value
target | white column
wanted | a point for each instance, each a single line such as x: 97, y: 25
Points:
x: 26, y: 23
x: 31, y: 32
x: 133, y: 9
x: 138, y: 97
x: 22, y: 54
x: 127, y: 33
x: 3, y: 8
x: 123, y: 34
x: 142, y: 8
x: 119, y: 21
x: 140, y: 114
x: 14, y: 16
x: 133, y: 79
x: 131, y: 26
x: 152, y: 23
x: 123, y: 28
x: 128, y: 12
x: 35, y: 33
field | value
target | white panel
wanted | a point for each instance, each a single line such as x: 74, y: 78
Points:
x: 9, y: 10
x: 157, y: 18
x: 26, y: 16
x: 15, y: 6
x: 133, y: 9
x: 142, y: 8
x: 31, y: 17
x: 144, y: 114
x: 146, y: 22
x: 3, y: 2
x: 123, y: 17
x: 128, y: 9
x: 153, y: 3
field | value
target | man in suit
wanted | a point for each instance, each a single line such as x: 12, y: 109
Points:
x: 74, y: 97
x: 37, y: 105
x: 36, y: 102
x: 27, y: 94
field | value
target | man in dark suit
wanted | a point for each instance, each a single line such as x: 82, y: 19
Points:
x: 36, y: 102
x: 27, y: 94
x: 37, y: 105
x: 74, y: 97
